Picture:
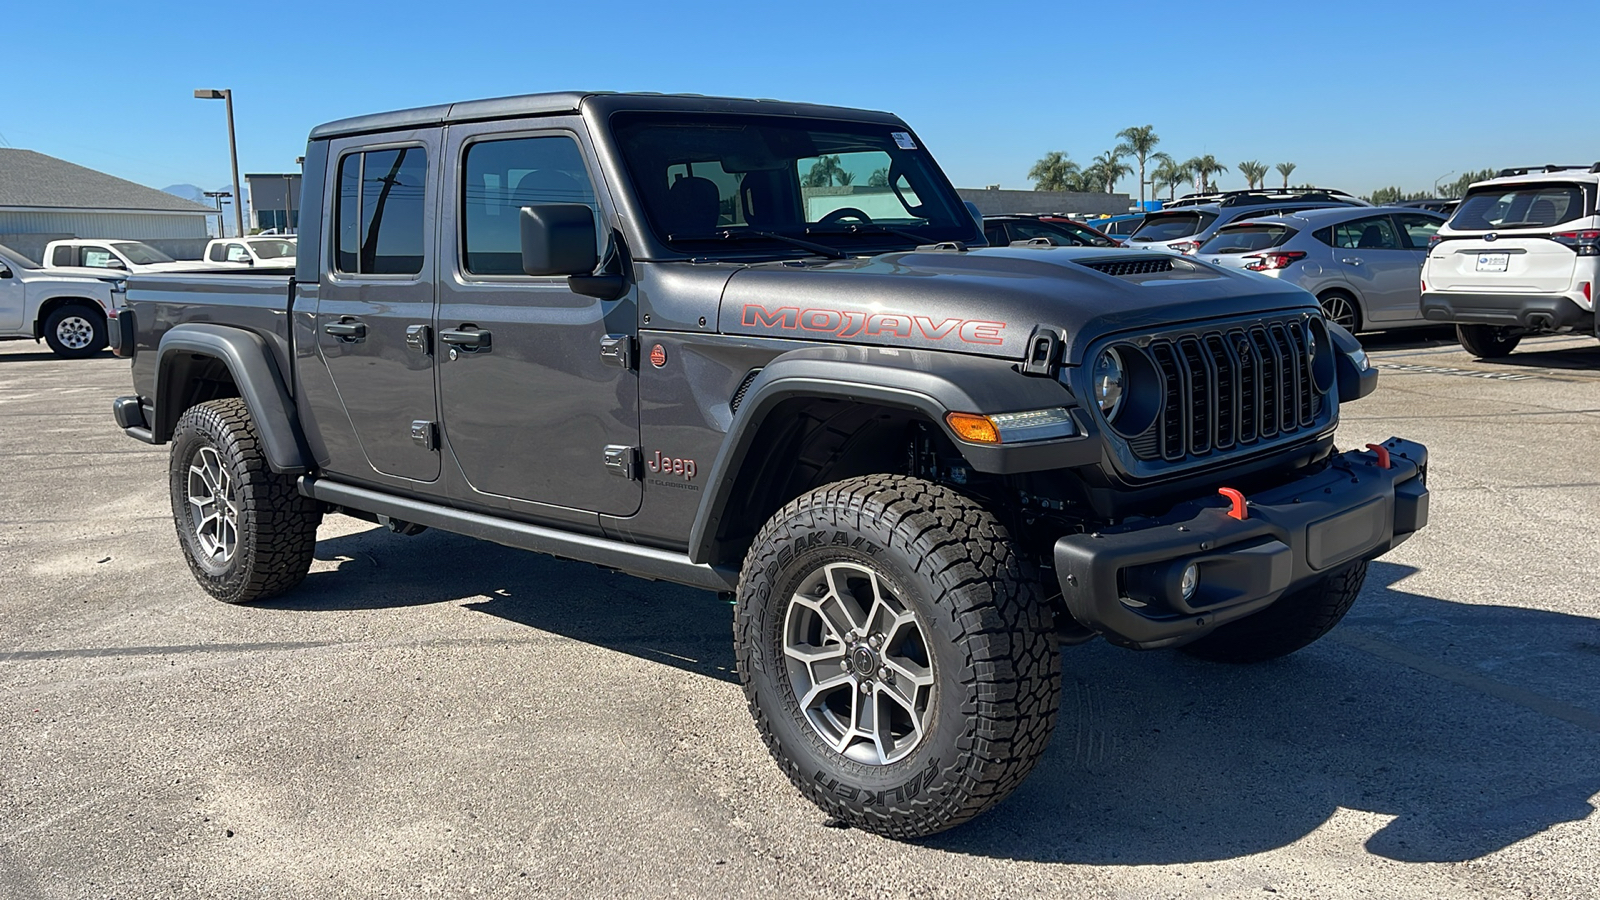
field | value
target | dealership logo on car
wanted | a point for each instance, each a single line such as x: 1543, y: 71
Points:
x: 852, y: 323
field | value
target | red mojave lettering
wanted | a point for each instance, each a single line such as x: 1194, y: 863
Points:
x: 853, y: 323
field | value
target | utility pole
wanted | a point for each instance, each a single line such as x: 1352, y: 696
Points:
x: 233, y: 152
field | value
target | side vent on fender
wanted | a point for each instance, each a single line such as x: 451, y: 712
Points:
x: 744, y: 388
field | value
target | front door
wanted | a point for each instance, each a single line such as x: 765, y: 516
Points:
x: 375, y: 303
x: 531, y: 410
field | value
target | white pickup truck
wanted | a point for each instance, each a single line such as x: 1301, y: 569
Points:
x: 68, y: 308
x: 125, y: 256
x: 260, y: 250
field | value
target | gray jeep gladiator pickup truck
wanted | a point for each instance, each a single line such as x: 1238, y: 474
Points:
x: 760, y: 348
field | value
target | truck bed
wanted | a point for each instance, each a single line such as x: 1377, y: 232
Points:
x: 253, y: 298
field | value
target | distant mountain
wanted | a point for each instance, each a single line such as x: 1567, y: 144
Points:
x: 188, y: 192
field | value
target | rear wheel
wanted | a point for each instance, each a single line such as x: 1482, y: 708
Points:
x: 1294, y: 621
x: 75, y: 331
x: 246, y: 532
x: 896, y: 654
x: 1342, y: 309
x: 1487, y: 341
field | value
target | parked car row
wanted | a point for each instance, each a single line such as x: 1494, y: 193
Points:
x: 135, y: 256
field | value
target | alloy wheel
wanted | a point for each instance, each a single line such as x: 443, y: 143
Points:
x: 75, y: 332
x: 1339, y: 310
x: 859, y: 664
x: 213, y: 508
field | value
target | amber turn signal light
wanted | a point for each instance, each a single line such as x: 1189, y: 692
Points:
x: 972, y: 427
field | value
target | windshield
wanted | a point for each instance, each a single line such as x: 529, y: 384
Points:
x: 1172, y: 226
x: 277, y: 248
x: 16, y: 260
x: 1246, y: 238
x: 706, y: 178
x: 141, y: 254
x: 1518, y: 206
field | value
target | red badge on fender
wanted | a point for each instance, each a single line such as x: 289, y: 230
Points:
x: 658, y: 356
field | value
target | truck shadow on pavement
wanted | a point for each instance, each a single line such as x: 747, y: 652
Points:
x: 1453, y: 730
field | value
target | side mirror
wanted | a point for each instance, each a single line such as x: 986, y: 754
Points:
x: 5, y: 271
x: 558, y: 239
x: 114, y: 263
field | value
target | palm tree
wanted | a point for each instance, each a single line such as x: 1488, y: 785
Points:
x: 1253, y: 172
x: 1203, y: 168
x: 1106, y: 170
x: 1285, y: 169
x: 844, y: 178
x: 1168, y: 173
x: 1138, y: 141
x: 1055, y: 172
x: 824, y: 171
x: 878, y: 178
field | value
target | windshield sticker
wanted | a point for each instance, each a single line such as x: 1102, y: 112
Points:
x: 903, y: 141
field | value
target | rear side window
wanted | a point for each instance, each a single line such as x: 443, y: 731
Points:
x: 218, y: 253
x: 1172, y: 226
x: 1247, y: 238
x: 379, y: 211
x: 1518, y: 206
x: 1417, y: 228
x: 62, y: 256
x: 504, y: 176
x: 1372, y: 233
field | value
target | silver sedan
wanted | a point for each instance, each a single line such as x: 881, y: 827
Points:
x: 1362, y: 263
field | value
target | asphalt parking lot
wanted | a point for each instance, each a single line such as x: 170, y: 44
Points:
x: 432, y: 716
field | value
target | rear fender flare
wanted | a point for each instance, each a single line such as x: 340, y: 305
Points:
x: 249, y: 360
x: 928, y: 383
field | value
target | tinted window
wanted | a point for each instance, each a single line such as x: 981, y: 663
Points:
x: 1521, y: 206
x: 1172, y: 226
x: 996, y: 235
x: 1417, y: 229
x: 380, y: 212
x: 62, y: 257
x: 1246, y: 238
x: 504, y: 176
x: 218, y: 253
x: 1374, y: 233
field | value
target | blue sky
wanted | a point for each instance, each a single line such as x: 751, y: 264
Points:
x: 1359, y: 96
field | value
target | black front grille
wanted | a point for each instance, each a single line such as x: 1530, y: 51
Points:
x: 1147, y: 266
x: 1230, y: 388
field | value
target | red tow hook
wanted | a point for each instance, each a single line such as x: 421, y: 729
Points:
x: 1237, y: 499
x: 1383, y: 455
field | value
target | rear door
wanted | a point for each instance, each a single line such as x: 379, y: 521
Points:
x: 1506, y: 247
x: 12, y: 297
x: 1369, y: 253
x: 375, y: 303
x: 530, y: 413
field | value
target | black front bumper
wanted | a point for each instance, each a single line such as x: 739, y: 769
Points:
x: 1125, y: 582
x: 1538, y: 312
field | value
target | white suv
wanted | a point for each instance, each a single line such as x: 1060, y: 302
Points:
x: 1520, y: 256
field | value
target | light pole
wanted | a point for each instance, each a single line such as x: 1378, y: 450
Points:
x: 222, y: 229
x: 233, y: 152
x: 1439, y: 179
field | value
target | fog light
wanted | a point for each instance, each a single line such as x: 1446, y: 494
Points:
x: 1191, y: 580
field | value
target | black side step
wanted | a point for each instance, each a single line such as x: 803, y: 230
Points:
x: 645, y: 562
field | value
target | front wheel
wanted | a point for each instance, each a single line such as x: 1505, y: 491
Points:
x: 75, y: 331
x: 246, y: 532
x: 896, y: 654
x: 1487, y: 341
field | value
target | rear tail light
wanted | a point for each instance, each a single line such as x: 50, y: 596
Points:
x: 1187, y: 248
x: 1263, y: 262
x: 1584, y: 243
x: 1587, y: 296
x: 1434, y: 241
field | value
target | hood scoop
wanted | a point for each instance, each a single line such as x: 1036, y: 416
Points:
x: 1148, y: 268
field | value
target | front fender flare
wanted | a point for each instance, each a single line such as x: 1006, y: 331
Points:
x: 926, y: 382
x: 249, y: 360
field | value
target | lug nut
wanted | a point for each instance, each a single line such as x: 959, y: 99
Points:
x: 876, y: 640
x: 866, y: 687
x: 884, y: 674
x: 844, y: 664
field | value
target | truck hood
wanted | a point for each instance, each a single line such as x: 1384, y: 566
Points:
x: 990, y: 301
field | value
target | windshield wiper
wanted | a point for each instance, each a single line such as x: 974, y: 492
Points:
x: 728, y: 234
x: 873, y: 229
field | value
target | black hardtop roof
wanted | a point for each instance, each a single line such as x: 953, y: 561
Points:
x: 572, y: 101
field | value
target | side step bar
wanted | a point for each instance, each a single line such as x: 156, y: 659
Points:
x: 645, y: 562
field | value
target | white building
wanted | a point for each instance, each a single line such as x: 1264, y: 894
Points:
x: 43, y: 199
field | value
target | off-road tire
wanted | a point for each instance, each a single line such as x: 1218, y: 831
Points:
x: 996, y: 672
x: 1296, y: 620
x: 276, y: 528
x: 81, y: 316
x: 1487, y: 341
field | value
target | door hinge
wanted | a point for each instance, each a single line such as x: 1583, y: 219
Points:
x: 617, y: 349
x: 420, y: 339
x: 622, y: 462
x: 425, y: 434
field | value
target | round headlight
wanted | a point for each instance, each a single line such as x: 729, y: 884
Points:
x: 1109, y: 378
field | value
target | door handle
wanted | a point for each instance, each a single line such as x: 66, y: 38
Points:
x: 349, y: 332
x: 1351, y: 260
x: 466, y: 337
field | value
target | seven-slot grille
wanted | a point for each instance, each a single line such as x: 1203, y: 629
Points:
x: 1230, y: 388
